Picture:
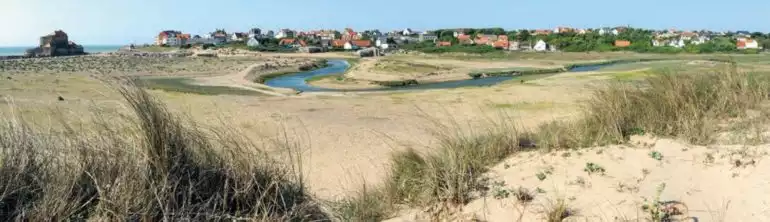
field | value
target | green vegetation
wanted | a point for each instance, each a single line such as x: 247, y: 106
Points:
x: 183, y: 85
x: 163, y: 169
x: 156, y: 48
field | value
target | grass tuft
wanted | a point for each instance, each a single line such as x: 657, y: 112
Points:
x: 163, y: 169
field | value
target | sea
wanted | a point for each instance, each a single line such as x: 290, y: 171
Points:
x: 17, y: 51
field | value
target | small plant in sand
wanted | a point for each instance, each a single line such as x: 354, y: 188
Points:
x: 656, y: 155
x: 541, y: 176
x: 662, y: 211
x: 559, y: 211
x: 523, y: 195
x: 592, y: 168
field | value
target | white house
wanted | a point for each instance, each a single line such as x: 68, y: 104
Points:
x: 407, y: 32
x: 747, y: 43
x: 540, y: 46
x: 348, y: 46
x: 284, y: 33
x: 238, y: 36
x: 700, y: 40
x: 253, y: 42
x: 381, y: 41
x: 173, y: 41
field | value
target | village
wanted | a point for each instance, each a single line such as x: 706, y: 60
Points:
x: 538, y: 40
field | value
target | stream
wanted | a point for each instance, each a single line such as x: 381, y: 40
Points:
x: 298, y: 81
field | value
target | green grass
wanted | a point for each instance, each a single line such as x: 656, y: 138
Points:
x: 183, y: 85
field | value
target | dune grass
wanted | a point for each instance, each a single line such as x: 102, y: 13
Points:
x: 163, y: 169
x: 685, y: 106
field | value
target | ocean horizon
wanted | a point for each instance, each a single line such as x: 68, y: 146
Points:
x: 20, y: 50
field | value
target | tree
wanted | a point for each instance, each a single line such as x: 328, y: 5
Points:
x: 524, y: 35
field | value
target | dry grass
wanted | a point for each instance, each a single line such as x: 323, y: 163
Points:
x: 164, y: 168
x: 687, y: 106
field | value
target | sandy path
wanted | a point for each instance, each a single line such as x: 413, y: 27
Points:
x: 238, y: 80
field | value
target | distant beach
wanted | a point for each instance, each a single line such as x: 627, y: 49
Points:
x: 16, y: 51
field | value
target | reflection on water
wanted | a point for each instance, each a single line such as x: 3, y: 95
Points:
x: 298, y: 82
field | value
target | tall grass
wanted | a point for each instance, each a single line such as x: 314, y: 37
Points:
x: 164, y: 169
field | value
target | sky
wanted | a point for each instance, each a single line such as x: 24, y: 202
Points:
x: 120, y: 22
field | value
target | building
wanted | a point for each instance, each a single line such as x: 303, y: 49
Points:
x: 55, y: 44
x: 338, y: 43
x: 464, y: 39
x: 361, y: 43
x: 255, y: 33
x: 428, y: 37
x: 164, y: 37
x: 239, y: 36
x: 540, y: 46
x: 348, y: 46
x: 349, y: 35
x: 514, y: 46
x: 270, y: 34
x: 558, y: 30
x: 622, y: 43
x: 292, y: 42
x: 443, y: 43
x: 285, y: 33
x: 747, y: 43
x: 253, y: 42
x: 407, y: 32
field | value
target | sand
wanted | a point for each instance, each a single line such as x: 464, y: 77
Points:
x: 717, y: 183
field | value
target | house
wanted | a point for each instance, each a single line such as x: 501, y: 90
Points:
x: 428, y: 37
x: 255, y: 33
x: 253, y: 42
x: 607, y: 31
x: 164, y: 36
x: 558, y: 30
x: 622, y: 43
x: 292, y: 42
x: 238, y: 36
x: 458, y: 33
x: 440, y: 44
x: 464, y: 39
x: 700, y: 40
x: 747, y: 43
x: 338, y: 43
x: 540, y: 46
x: 501, y: 44
x: 349, y: 35
x: 361, y: 43
x: 270, y: 34
x: 514, y: 46
x: 381, y: 40
x: 407, y: 32
x: 219, y: 36
x: 285, y: 33
x: 582, y: 31
x: 348, y: 46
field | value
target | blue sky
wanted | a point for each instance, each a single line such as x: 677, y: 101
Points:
x: 137, y: 21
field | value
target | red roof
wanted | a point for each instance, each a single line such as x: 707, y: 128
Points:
x: 338, y: 43
x: 741, y: 44
x: 463, y: 37
x: 501, y: 44
x: 286, y: 42
x: 481, y: 41
x: 503, y: 37
x: 444, y: 44
x: 622, y: 43
x: 361, y: 43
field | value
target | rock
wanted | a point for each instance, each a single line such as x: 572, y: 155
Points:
x: 61, y: 98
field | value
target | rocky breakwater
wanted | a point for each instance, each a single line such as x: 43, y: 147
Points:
x: 55, y: 44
